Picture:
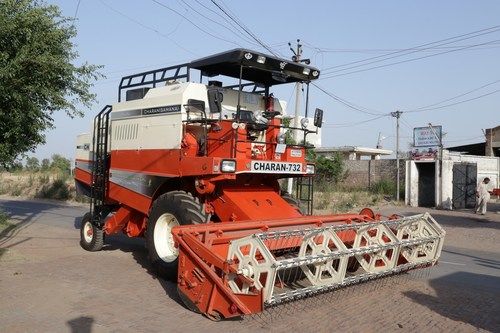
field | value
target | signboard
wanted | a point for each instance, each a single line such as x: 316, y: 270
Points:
x: 426, y: 137
x: 422, y: 154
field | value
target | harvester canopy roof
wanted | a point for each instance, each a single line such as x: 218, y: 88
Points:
x: 257, y: 67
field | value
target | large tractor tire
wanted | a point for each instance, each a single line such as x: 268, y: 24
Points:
x: 169, y: 210
x: 91, y: 236
x: 292, y: 201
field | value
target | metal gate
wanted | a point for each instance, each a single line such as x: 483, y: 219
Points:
x: 464, y: 185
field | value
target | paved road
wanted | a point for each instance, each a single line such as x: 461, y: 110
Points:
x: 47, y: 283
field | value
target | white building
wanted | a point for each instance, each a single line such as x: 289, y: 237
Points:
x: 450, y: 184
x: 354, y: 152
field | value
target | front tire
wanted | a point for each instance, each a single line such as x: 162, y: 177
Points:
x: 91, y: 236
x: 168, y: 211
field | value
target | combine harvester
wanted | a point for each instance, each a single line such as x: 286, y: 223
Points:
x: 194, y: 168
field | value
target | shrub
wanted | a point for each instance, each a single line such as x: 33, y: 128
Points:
x: 384, y: 186
x: 57, y: 190
x: 328, y: 169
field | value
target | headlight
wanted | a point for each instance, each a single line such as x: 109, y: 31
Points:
x: 304, y: 122
x: 310, y: 169
x: 306, y: 71
x: 261, y: 59
x: 228, y: 166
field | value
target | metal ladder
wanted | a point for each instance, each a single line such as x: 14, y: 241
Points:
x: 304, y: 193
x: 100, y: 171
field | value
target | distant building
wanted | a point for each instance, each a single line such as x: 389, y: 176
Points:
x: 353, y: 152
x: 490, y: 147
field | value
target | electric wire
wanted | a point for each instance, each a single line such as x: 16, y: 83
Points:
x: 147, y: 27
x: 355, y: 123
x: 371, y: 51
x: 426, y: 107
x: 466, y: 139
x: 449, y: 40
x: 76, y: 10
x: 406, y: 60
x: 347, y: 103
x: 193, y: 23
x: 456, y: 103
x: 244, y: 28
x: 235, y: 29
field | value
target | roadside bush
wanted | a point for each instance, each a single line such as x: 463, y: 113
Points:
x: 3, y: 218
x: 384, y: 186
x: 328, y: 169
x: 388, y: 187
x: 56, y: 190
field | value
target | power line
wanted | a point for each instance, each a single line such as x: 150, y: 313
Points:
x: 378, y: 50
x: 371, y: 51
x: 237, y: 32
x: 456, y: 103
x: 449, y: 40
x: 194, y: 24
x: 467, y: 139
x: 407, y: 60
x: 455, y: 97
x: 244, y: 28
x: 166, y: 36
x: 76, y: 10
x: 347, y: 103
x: 211, y: 20
x: 356, y: 123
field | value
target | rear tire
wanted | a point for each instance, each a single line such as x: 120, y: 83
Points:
x: 91, y: 236
x: 169, y: 210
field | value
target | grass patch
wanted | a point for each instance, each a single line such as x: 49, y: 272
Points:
x: 39, y: 184
x: 58, y: 190
x: 4, y: 221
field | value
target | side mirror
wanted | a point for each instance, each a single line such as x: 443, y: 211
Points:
x: 318, y: 118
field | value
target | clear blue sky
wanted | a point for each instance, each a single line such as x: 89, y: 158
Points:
x: 333, y: 33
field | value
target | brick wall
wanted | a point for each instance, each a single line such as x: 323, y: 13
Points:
x: 363, y: 173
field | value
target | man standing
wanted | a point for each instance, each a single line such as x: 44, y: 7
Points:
x: 483, y: 196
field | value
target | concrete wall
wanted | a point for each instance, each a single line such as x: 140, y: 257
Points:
x: 492, y: 141
x: 486, y: 167
x: 364, y: 173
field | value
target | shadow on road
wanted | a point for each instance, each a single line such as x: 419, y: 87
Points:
x: 455, y: 302
x: 490, y: 263
x: 77, y: 223
x: 467, y: 220
x: 80, y: 324
x: 136, y: 247
x: 23, y: 211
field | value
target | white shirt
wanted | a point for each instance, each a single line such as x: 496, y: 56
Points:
x: 482, y: 190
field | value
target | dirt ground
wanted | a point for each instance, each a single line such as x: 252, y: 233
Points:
x: 49, y: 284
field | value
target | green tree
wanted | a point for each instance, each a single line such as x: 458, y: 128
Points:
x: 37, y: 74
x: 15, y: 166
x: 32, y: 164
x: 330, y: 169
x: 45, y: 164
x: 60, y: 163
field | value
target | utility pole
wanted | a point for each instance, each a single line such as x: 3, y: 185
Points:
x: 397, y: 115
x: 440, y: 138
x: 297, y: 54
